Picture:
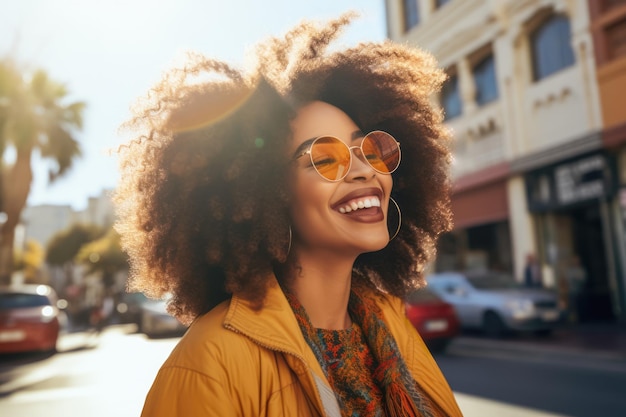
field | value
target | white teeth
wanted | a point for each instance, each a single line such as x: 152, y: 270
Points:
x: 360, y: 204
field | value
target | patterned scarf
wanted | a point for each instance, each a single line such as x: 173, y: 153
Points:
x: 402, y: 395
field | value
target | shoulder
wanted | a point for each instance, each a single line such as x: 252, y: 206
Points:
x: 210, y: 348
x: 204, y: 373
x: 212, y: 360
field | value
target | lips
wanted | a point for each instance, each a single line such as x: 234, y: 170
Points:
x: 362, y: 205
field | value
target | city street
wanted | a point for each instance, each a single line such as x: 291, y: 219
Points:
x: 111, y: 375
x: 107, y: 377
x: 532, y: 382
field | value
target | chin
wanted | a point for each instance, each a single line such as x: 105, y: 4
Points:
x: 373, y: 246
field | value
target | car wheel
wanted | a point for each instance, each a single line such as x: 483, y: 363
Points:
x: 139, y: 323
x: 493, y: 326
x: 438, y: 345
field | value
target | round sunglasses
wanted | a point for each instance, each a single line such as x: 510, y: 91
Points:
x: 332, y: 158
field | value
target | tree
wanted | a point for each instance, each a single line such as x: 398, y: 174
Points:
x: 29, y: 260
x: 104, y: 256
x: 33, y: 116
x: 66, y: 244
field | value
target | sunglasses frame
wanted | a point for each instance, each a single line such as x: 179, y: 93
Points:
x: 350, y: 151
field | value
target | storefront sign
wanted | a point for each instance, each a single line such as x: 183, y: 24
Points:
x: 568, y: 183
x: 580, y: 180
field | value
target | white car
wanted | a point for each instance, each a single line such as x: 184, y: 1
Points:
x: 495, y: 303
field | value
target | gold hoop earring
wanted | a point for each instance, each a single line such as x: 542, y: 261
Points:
x: 399, y: 219
x: 289, y: 245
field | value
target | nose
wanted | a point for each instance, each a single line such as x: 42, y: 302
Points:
x: 360, y: 169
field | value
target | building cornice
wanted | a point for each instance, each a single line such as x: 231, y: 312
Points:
x: 480, y: 178
x: 436, y: 31
x: 587, y: 143
x: 614, y: 136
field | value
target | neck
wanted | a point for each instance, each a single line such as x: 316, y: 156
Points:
x: 323, y: 289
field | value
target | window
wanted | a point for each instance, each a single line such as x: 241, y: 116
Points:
x: 485, y: 81
x: 440, y: 3
x: 551, y: 49
x: 450, y: 98
x: 411, y: 14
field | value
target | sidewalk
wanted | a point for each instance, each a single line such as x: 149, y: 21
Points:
x: 602, y: 341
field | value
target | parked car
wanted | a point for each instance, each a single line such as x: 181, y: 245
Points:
x: 128, y: 308
x: 29, y: 319
x: 157, y: 322
x: 496, y: 303
x: 433, y: 318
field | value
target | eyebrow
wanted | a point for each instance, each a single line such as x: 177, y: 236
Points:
x: 300, y: 150
x: 357, y: 134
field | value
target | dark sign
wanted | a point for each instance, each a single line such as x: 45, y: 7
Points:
x: 570, y: 183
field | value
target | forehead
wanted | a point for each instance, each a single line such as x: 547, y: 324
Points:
x: 319, y: 118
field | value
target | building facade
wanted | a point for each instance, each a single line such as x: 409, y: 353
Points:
x: 532, y: 171
x: 608, y: 27
x: 42, y: 222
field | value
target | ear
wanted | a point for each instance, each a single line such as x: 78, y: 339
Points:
x: 201, y: 106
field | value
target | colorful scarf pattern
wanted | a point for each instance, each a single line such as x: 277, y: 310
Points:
x: 387, y: 387
x: 350, y: 366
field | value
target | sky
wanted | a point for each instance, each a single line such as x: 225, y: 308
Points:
x: 109, y: 53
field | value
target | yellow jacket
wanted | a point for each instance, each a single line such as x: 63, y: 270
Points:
x: 235, y: 361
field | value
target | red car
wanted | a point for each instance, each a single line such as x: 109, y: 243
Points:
x: 29, y: 319
x: 434, y: 319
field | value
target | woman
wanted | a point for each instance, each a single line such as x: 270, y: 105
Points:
x: 261, y: 200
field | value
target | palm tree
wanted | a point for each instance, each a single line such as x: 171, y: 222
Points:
x: 33, y: 116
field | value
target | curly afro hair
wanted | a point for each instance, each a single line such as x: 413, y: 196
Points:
x: 202, y: 201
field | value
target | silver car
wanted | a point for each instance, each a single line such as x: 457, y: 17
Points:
x: 495, y: 303
x: 157, y: 322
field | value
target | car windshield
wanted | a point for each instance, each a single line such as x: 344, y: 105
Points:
x: 135, y: 297
x: 20, y: 300
x: 492, y: 281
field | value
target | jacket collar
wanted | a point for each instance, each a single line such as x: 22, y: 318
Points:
x: 275, y: 327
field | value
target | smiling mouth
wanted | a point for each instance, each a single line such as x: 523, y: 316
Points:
x: 361, y: 203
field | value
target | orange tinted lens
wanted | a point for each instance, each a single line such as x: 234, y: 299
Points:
x: 381, y: 151
x: 330, y: 157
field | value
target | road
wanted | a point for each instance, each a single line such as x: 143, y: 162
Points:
x: 110, y: 377
x: 533, y: 383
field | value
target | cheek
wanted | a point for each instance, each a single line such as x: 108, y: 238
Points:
x: 387, y: 183
x: 310, y: 202
x: 307, y: 197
